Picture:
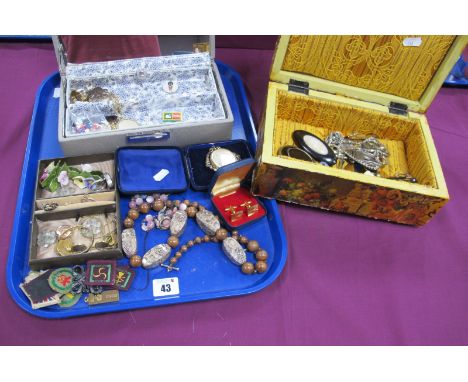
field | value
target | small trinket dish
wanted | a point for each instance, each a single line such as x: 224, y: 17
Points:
x: 150, y: 169
x: 231, y: 195
x: 202, y: 161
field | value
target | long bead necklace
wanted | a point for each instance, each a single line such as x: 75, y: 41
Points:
x: 173, y: 215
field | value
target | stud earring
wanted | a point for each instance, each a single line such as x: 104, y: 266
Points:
x: 252, y: 209
x: 235, y: 215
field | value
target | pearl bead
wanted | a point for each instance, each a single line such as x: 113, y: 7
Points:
x: 221, y: 234
x: 139, y: 201
x: 261, y: 266
x: 173, y: 241
x: 195, y: 204
x: 190, y: 243
x: 187, y: 202
x: 163, y: 197
x: 144, y: 208
x: 133, y: 214
x: 158, y: 205
x: 149, y: 225
x: 177, y: 203
x: 182, y: 206
x: 247, y: 268
x: 135, y: 261
x: 198, y: 240
x: 261, y: 255
x: 149, y: 199
x: 132, y: 204
x: 253, y: 246
x: 128, y: 223
x: 149, y: 217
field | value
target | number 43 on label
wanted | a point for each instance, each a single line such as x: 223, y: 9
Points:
x: 165, y: 287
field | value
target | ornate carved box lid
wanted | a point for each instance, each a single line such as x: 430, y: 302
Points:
x: 388, y: 70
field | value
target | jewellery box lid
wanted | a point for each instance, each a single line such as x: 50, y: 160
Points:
x: 82, y: 49
x: 230, y: 177
x: 150, y: 169
x: 400, y: 72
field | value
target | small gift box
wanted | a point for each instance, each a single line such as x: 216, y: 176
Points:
x: 197, y: 158
x: 231, y: 197
x: 150, y: 169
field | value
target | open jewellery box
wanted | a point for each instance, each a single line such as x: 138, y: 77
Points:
x: 72, y: 206
x: 231, y: 197
x: 139, y: 90
x: 195, y: 159
x: 371, y: 85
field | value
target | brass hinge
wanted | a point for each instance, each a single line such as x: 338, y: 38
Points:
x: 298, y: 86
x: 398, y: 108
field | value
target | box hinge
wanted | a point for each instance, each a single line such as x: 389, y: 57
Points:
x: 398, y: 108
x: 298, y: 86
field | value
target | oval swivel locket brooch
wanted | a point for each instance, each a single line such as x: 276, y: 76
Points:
x: 315, y: 147
x: 218, y: 157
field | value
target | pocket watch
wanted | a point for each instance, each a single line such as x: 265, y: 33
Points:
x: 218, y: 157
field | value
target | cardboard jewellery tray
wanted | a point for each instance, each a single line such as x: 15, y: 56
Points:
x: 371, y: 85
x: 174, y: 99
x: 204, y: 274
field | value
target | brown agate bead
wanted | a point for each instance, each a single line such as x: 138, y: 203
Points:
x: 133, y: 214
x: 243, y: 240
x: 144, y: 208
x: 206, y: 239
x: 235, y: 233
x: 190, y: 243
x: 177, y: 203
x: 169, y: 203
x: 221, y: 234
x: 128, y: 223
x: 178, y: 254
x: 173, y: 241
x: 195, y: 204
x: 135, y: 261
x: 184, y: 248
x: 247, y: 268
x: 173, y: 261
x: 261, y: 255
x: 191, y: 212
x: 261, y: 266
x: 198, y: 240
x: 158, y: 205
x: 252, y: 246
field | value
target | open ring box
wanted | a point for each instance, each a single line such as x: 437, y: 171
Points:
x: 377, y: 86
x: 70, y: 205
x: 231, y: 195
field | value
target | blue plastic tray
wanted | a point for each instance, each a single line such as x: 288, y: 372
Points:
x: 205, y: 272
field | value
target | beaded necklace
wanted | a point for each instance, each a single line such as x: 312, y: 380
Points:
x: 173, y: 216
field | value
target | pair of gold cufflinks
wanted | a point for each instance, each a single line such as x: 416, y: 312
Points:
x: 236, y: 213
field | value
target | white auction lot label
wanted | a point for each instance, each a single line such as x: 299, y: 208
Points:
x: 165, y: 287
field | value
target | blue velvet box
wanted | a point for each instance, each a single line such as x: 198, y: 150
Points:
x: 195, y: 157
x: 230, y: 191
x: 150, y: 169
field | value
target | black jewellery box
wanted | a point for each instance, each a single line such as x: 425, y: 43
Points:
x: 69, y: 200
x: 197, y: 156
